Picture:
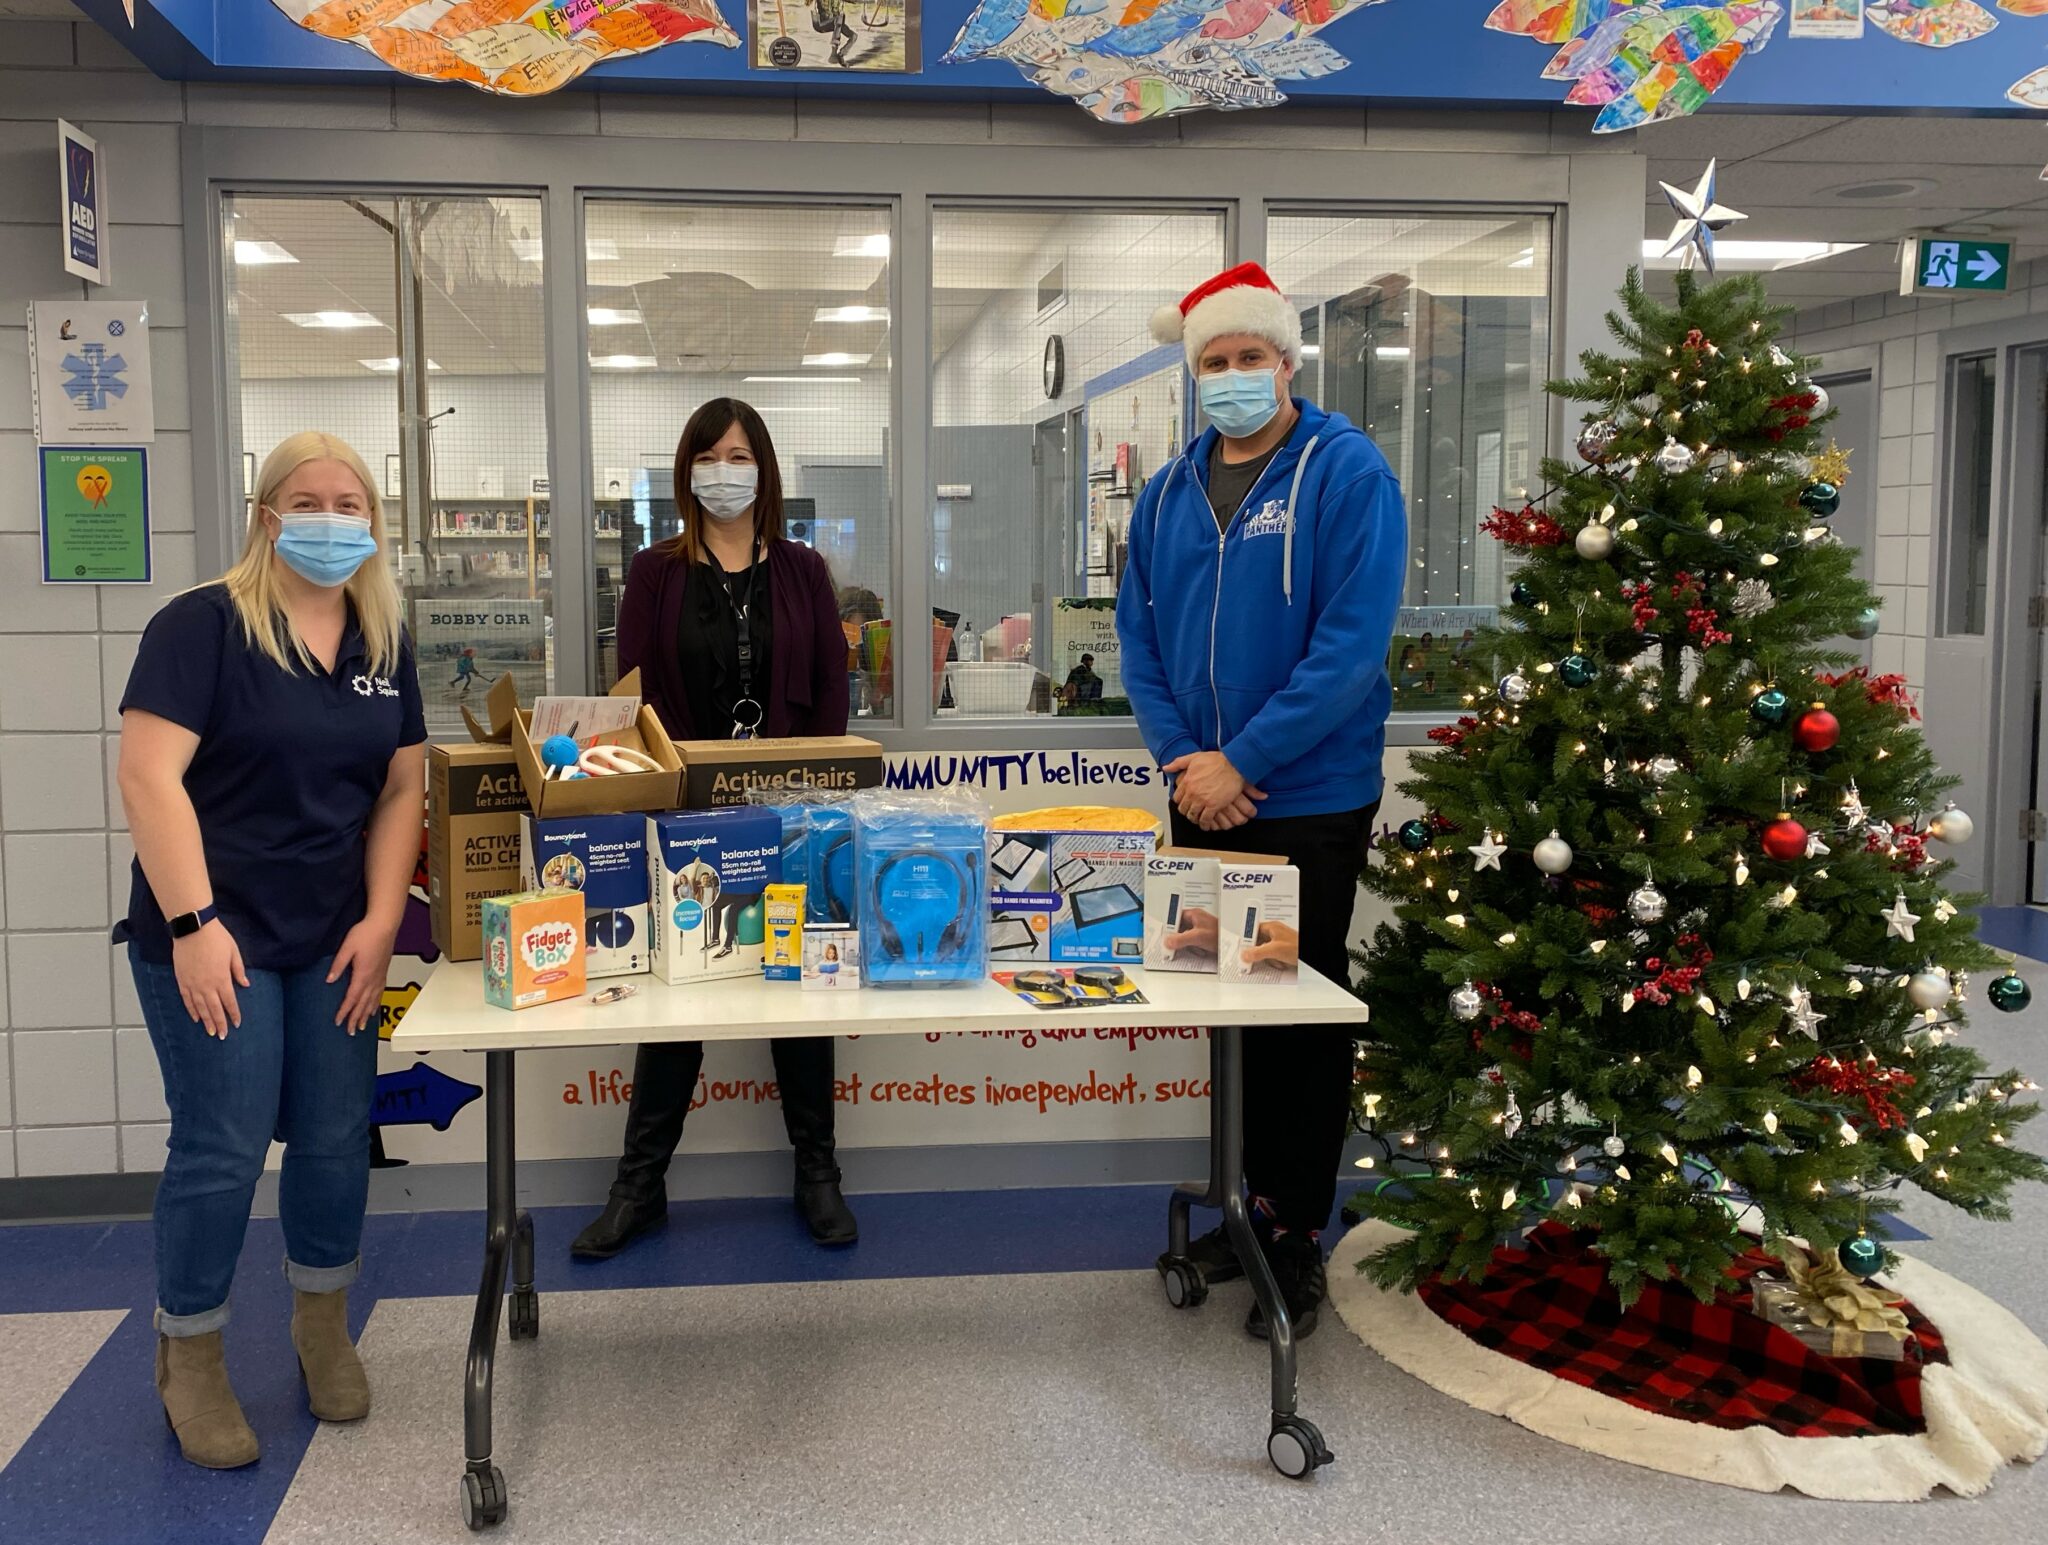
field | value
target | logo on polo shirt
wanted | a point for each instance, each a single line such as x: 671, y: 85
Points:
x: 1270, y: 521
x: 378, y: 686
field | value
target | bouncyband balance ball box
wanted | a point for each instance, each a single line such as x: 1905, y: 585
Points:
x: 717, y: 773
x: 707, y: 872
x: 604, y: 859
x: 475, y: 799
x: 1261, y: 928
x: 1069, y: 887
x: 782, y: 949
x: 533, y: 948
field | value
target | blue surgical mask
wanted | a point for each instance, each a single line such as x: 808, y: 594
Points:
x: 1241, y: 402
x: 325, y: 547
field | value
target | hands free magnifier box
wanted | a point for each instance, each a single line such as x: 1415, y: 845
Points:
x: 1066, y: 885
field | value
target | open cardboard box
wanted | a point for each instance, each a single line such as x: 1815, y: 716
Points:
x: 622, y: 792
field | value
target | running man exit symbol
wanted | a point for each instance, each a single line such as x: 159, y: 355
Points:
x: 1935, y: 264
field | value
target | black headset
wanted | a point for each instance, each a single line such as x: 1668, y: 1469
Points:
x: 954, y: 939
x: 837, y: 907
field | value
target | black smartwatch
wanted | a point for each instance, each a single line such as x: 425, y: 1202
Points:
x: 187, y: 924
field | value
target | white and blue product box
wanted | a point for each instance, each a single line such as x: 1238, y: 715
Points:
x: 707, y: 870
x: 1261, y: 927
x: 1067, y: 897
x: 1183, y: 909
x: 604, y: 857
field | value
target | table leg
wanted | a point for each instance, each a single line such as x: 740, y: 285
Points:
x: 1294, y: 1444
x: 508, y: 1242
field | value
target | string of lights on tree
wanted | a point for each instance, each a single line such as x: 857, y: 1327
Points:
x: 1671, y: 945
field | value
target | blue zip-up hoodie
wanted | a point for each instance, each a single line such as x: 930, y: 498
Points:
x: 1269, y: 643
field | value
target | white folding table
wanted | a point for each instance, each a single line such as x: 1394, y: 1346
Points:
x: 451, y: 1015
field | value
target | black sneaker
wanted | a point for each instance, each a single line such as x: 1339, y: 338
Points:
x: 1297, y: 1261
x: 1212, y: 1252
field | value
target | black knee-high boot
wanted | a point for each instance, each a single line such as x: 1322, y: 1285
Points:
x: 664, y: 1078
x: 803, y: 1069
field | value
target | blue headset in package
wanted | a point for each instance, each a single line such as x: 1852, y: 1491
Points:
x: 921, y: 866
x: 817, y: 851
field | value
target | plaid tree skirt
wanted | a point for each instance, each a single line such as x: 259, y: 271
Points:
x: 1720, y: 1364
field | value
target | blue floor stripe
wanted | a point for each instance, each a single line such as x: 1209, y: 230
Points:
x: 2023, y: 930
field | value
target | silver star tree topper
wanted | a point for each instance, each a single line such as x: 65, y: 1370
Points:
x: 1699, y: 217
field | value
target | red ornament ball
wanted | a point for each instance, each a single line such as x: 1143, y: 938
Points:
x: 1785, y: 839
x: 1817, y: 730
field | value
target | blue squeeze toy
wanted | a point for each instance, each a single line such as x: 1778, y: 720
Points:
x: 558, y: 754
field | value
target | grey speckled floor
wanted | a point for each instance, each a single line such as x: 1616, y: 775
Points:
x: 40, y: 1354
x: 1030, y: 1409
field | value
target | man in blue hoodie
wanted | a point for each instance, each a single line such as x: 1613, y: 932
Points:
x: 1266, y: 565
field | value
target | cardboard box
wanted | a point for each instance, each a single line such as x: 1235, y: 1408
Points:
x: 831, y: 957
x: 1067, y: 896
x: 533, y: 948
x: 782, y: 946
x: 723, y: 772
x: 708, y: 870
x: 1261, y: 919
x: 475, y: 800
x: 645, y: 791
x: 604, y: 859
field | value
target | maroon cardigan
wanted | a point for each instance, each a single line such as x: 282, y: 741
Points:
x: 807, y: 689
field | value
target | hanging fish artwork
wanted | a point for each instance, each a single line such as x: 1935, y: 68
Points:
x: 1145, y: 59
x: 510, y: 47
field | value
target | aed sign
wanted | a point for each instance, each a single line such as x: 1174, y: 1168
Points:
x: 84, y: 222
x: 1943, y: 265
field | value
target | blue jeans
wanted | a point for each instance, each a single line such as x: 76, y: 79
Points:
x: 289, y: 1073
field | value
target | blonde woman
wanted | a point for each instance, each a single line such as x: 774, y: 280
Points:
x: 272, y: 766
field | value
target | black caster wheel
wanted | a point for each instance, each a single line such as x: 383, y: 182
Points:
x: 1350, y: 1215
x: 1186, y: 1287
x: 483, y: 1499
x: 524, y: 1313
x: 1296, y: 1447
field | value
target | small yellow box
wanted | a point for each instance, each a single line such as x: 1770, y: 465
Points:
x: 782, y: 950
x: 533, y: 948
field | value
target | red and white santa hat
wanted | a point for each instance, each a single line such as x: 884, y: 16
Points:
x: 1243, y: 299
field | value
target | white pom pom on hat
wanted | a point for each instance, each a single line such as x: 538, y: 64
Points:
x: 1243, y: 299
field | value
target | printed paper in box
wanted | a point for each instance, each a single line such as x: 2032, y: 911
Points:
x: 708, y: 871
x: 604, y: 858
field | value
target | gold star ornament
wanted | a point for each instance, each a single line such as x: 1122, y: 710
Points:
x: 1832, y: 465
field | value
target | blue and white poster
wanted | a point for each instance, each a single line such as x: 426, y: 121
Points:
x: 92, y: 381
x: 85, y: 204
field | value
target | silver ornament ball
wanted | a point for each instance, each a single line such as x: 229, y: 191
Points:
x: 1553, y: 854
x: 1929, y: 989
x: 1594, y: 541
x: 1675, y: 458
x: 1952, y: 825
x: 1613, y: 1147
x: 1596, y: 440
x: 1822, y: 401
x: 1514, y: 689
x: 1466, y: 1003
x: 1663, y: 769
x: 1646, y: 904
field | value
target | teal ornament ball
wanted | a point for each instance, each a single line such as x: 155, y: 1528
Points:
x: 1820, y: 499
x: 1861, y: 1256
x: 1522, y: 595
x: 2009, y: 994
x: 1575, y: 670
x: 1866, y: 623
x: 1415, y: 835
x: 1771, y: 706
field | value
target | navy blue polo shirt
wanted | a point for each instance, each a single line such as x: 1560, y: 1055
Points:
x: 289, y: 766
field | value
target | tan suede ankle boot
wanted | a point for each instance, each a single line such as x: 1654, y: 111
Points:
x: 200, y: 1404
x: 337, y: 1390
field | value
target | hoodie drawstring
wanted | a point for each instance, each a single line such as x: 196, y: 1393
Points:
x: 1294, y: 493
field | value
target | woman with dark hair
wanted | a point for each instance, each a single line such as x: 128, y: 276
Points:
x: 735, y: 631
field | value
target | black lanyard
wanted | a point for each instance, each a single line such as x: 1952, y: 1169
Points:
x: 744, y: 726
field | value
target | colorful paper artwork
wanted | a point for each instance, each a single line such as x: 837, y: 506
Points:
x: 1128, y: 61
x: 1642, y: 61
x: 510, y: 47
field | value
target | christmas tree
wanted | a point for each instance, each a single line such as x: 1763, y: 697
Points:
x: 1672, y: 947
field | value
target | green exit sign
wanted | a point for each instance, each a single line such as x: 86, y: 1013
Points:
x: 1943, y: 265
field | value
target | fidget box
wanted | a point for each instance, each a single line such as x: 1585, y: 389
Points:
x: 1261, y: 926
x: 604, y: 857
x: 1065, y: 895
x: 782, y: 950
x: 708, y: 871
x: 533, y: 948
x: 474, y: 803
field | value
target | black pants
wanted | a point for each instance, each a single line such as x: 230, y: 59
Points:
x: 665, y: 1081
x: 1297, y: 1080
